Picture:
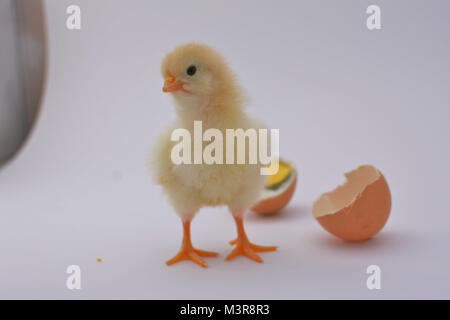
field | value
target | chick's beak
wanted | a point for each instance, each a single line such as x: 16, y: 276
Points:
x: 172, y: 85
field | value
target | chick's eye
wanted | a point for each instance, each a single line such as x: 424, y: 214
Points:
x: 191, y: 70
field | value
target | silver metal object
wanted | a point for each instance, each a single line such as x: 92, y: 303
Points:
x: 22, y: 71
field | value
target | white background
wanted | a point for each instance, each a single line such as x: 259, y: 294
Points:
x: 341, y: 96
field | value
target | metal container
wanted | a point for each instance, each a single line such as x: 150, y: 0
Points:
x: 22, y: 71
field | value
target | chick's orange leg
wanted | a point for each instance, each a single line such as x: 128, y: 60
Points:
x: 187, y: 251
x: 244, y: 246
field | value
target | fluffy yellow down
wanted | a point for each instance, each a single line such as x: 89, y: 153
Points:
x: 216, y: 99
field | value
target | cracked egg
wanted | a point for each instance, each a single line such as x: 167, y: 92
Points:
x: 358, y: 209
x: 278, y: 190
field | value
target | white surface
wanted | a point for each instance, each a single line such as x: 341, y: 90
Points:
x: 341, y: 96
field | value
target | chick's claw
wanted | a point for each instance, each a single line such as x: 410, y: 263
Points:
x: 244, y: 250
x: 203, y: 253
x: 193, y: 255
x: 256, y: 247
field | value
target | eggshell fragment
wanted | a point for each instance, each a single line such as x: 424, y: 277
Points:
x: 278, y: 191
x: 274, y: 204
x: 357, y: 210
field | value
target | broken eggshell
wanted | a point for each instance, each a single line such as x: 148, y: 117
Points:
x: 357, y: 210
x: 278, y: 190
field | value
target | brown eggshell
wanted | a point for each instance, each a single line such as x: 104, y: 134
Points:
x: 274, y: 204
x: 363, y: 216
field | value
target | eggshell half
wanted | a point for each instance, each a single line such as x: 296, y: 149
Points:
x: 273, y: 201
x: 357, y: 210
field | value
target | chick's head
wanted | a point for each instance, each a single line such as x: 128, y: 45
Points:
x: 196, y: 74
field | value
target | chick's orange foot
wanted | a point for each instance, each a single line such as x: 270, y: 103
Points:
x: 256, y: 247
x: 188, y: 252
x: 244, y: 246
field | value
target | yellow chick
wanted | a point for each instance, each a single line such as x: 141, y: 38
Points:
x: 205, y: 89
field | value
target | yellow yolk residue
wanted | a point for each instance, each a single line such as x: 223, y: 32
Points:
x: 275, y: 180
